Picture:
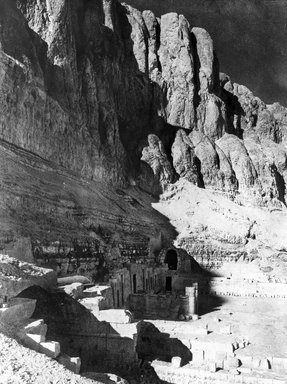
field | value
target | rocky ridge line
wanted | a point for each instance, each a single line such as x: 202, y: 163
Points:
x: 111, y: 75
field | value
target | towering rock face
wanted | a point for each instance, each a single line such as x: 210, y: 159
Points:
x: 238, y: 30
x: 116, y: 103
x: 177, y: 70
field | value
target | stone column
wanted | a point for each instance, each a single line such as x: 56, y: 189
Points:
x: 190, y: 292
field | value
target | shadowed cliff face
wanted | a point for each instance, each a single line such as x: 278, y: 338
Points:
x: 249, y: 37
x: 106, y: 97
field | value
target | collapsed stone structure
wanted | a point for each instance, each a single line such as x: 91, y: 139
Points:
x: 83, y: 326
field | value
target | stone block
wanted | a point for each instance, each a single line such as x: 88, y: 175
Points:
x: 279, y: 363
x: 75, y: 290
x: 212, y: 367
x: 109, y: 378
x: 219, y: 364
x: 256, y: 362
x: 36, y: 338
x: 246, y: 361
x: 72, y: 363
x: 264, y: 364
x: 220, y: 355
x: 186, y: 342
x: 20, y: 309
x: 61, y: 281
x: 245, y: 370
x: 37, y: 327
x: 234, y: 372
x: 176, y: 362
x: 231, y: 363
x: 235, y: 345
x: 51, y: 349
x: 209, y: 354
x: 225, y: 330
x: 197, y: 356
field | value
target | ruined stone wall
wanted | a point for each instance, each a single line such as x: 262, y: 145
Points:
x: 135, y: 278
x: 148, y: 278
x: 171, y: 374
x: 121, y: 287
x: 211, y: 256
x: 100, y: 350
x: 80, y: 332
x: 15, y: 276
x: 152, y: 306
x: 247, y: 288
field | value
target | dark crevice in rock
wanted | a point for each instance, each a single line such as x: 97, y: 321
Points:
x: 280, y: 183
x: 197, y: 163
x: 216, y: 71
x: 157, y: 30
x: 197, y: 98
x: 234, y: 113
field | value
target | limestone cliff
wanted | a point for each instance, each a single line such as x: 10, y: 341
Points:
x: 103, y: 106
x: 249, y: 36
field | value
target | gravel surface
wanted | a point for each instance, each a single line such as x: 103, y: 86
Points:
x: 16, y: 270
x: 20, y: 365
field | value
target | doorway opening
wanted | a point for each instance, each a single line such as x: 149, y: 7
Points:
x: 171, y: 259
x: 168, y: 283
x: 134, y: 283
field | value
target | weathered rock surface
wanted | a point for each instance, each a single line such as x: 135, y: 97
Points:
x: 15, y: 276
x: 238, y: 29
x: 224, y: 236
x: 177, y: 69
x: 204, y: 49
x: 103, y: 105
x: 154, y: 155
x: 184, y: 159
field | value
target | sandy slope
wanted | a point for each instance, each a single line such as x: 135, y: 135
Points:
x: 20, y: 365
x: 212, y: 218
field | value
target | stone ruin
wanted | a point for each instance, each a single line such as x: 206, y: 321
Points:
x: 157, y: 313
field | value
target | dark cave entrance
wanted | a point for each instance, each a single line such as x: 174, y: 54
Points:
x: 171, y: 259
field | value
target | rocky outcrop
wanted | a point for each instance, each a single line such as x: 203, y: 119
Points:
x: 103, y: 106
x: 177, y: 70
x: 238, y: 30
x: 155, y: 156
x: 224, y: 236
x: 204, y: 50
x: 15, y: 276
x: 184, y: 159
x: 95, y: 80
